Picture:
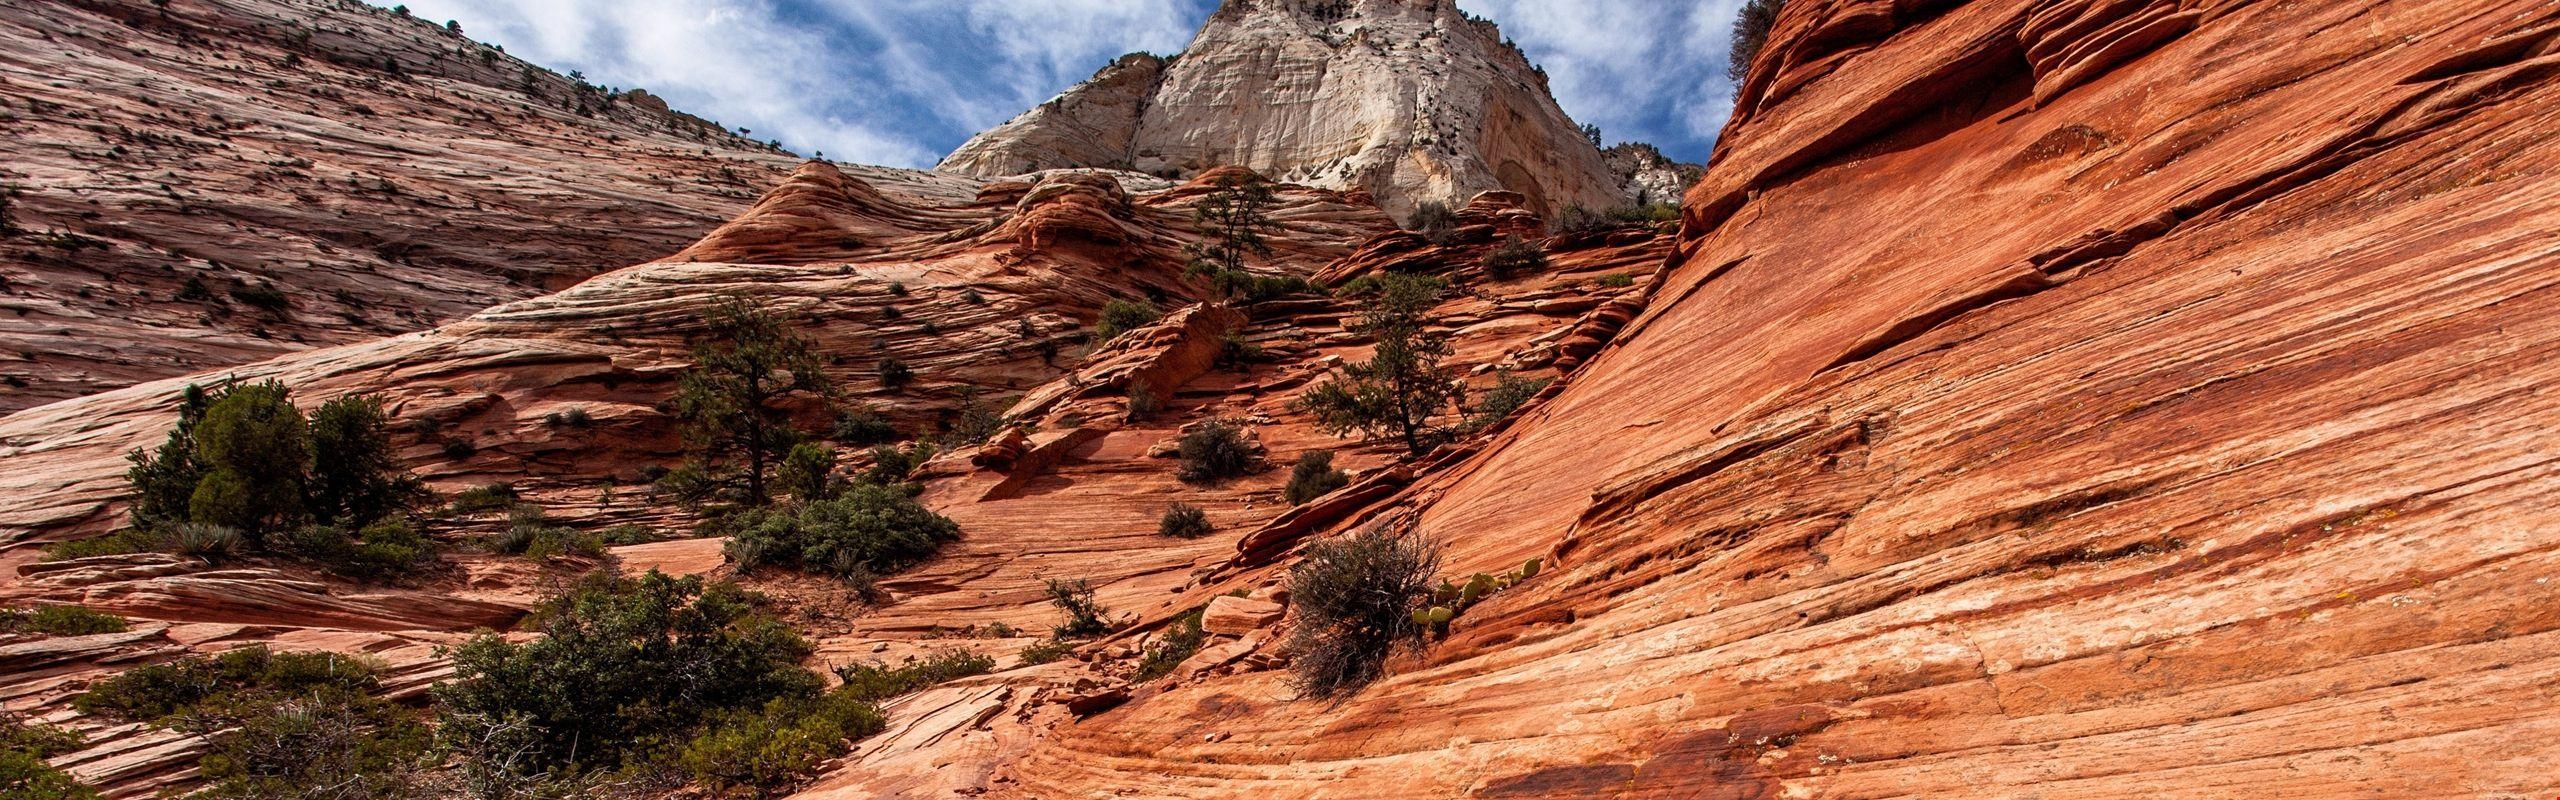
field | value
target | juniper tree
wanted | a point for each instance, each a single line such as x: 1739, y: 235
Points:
x: 746, y: 367
x: 1750, y: 30
x: 255, y: 450
x: 354, y: 479
x: 1402, y: 386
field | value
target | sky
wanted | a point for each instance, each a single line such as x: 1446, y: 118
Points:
x: 902, y: 82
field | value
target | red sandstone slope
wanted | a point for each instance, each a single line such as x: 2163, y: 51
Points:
x: 2055, y: 398
x: 192, y: 152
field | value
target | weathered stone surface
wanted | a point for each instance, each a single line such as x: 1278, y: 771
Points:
x: 1237, y: 616
x: 1407, y: 100
x: 172, y: 159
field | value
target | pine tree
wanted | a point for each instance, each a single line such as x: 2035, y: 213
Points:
x: 164, y: 480
x: 731, y: 401
x: 354, y: 479
x: 1402, y: 386
x: 255, y: 448
x: 1235, y: 217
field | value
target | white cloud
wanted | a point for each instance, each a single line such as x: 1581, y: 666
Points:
x: 1636, y: 69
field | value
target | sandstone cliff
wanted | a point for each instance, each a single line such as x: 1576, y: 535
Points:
x: 1409, y: 100
x: 211, y: 182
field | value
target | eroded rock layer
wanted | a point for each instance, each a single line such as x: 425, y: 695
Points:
x: 1410, y: 100
x: 2053, y: 398
x: 206, y: 183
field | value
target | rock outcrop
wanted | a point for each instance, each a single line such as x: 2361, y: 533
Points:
x: 2050, y: 398
x: 207, y: 183
x: 1409, y: 100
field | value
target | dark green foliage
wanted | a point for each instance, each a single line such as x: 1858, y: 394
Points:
x: 354, y: 479
x: 808, y: 474
x: 1215, y: 451
x: 881, y: 682
x: 1617, y: 280
x: 895, y: 374
x: 164, y: 480
x: 1084, y: 615
x: 486, y: 497
x: 1313, y: 477
x: 890, y: 465
x: 202, y: 540
x: 123, y: 542
x: 1237, y: 352
x: 1182, y: 637
x: 159, y: 691
x: 459, y: 449
x: 316, y: 746
x: 1433, y: 220
x: 388, y: 549
x: 24, y: 775
x: 1046, y: 650
x: 1508, y: 394
x: 733, y: 401
x: 767, y: 751
x: 1123, y: 316
x: 1579, y: 221
x: 571, y: 417
x: 1183, y: 521
x: 1234, y: 218
x: 1513, y: 259
x: 1750, y: 31
x: 57, y: 620
x: 1354, y: 597
x: 1143, y: 403
x: 531, y: 534
x: 974, y: 422
x: 255, y: 447
x: 863, y: 427
x: 623, y: 668
x: 1402, y: 386
x: 869, y: 530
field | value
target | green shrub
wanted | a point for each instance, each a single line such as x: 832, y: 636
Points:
x: 881, y: 682
x: 160, y: 691
x: 571, y: 417
x: 1433, y: 220
x: 486, y: 497
x: 321, y: 746
x: 203, y: 540
x: 385, y: 550
x: 895, y: 374
x: 1354, y: 597
x: 1123, y: 316
x: 1182, y: 637
x: 766, y: 751
x: 623, y: 668
x: 891, y: 465
x: 1513, y: 259
x: 56, y: 620
x: 1047, y: 650
x: 1313, y: 477
x: 355, y: 480
x: 1214, y: 451
x: 1184, y: 521
x: 808, y: 473
x: 869, y: 530
x: 863, y: 427
x: 1508, y: 394
x: 531, y: 534
x: 1084, y: 615
x: 1143, y: 403
x: 123, y: 542
x: 24, y: 775
x: 1617, y: 280
x: 1235, y: 351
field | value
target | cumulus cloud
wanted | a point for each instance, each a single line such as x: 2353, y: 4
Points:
x: 900, y: 82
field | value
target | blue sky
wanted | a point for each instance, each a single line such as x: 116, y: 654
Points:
x: 901, y: 82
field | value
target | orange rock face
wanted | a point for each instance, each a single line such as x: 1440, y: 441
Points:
x: 2053, y: 398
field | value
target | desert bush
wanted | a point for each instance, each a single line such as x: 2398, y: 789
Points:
x: 868, y: 530
x: 1617, y: 280
x: 386, y: 550
x: 24, y: 775
x: 1183, y: 521
x: 571, y: 417
x: 59, y: 620
x: 1235, y: 351
x: 1214, y: 451
x: 1123, y: 316
x: 891, y: 465
x: 160, y: 691
x: 808, y: 473
x: 530, y: 533
x: 1143, y: 403
x: 1433, y: 220
x: 622, y: 668
x: 880, y: 682
x: 1514, y: 258
x: 1046, y: 650
x: 1084, y: 614
x: 1508, y: 394
x: 895, y: 374
x: 863, y: 427
x: 766, y: 751
x: 1181, y: 638
x: 1313, y: 477
x: 485, y: 497
x: 317, y: 746
x: 1354, y: 597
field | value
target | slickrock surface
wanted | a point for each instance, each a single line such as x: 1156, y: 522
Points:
x: 204, y: 183
x: 1409, y: 100
x: 2053, y: 399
